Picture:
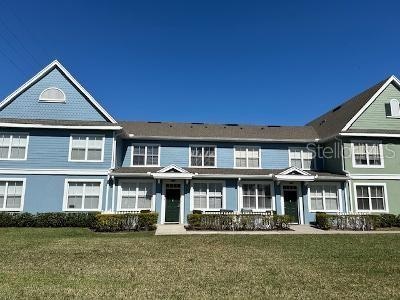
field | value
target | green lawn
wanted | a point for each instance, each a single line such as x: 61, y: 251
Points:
x: 67, y: 263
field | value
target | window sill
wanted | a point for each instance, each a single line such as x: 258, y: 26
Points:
x: 11, y: 209
x: 86, y: 161
x: 372, y: 211
x: 368, y: 166
x: 324, y: 211
x: 82, y: 210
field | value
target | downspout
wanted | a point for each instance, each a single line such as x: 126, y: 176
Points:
x: 347, y: 194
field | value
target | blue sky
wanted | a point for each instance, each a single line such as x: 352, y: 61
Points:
x: 251, y: 62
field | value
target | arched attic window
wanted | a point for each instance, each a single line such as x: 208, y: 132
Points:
x: 394, y: 108
x: 52, y: 94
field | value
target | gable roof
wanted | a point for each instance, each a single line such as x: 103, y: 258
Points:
x: 340, y: 118
x: 218, y: 132
x: 44, y: 72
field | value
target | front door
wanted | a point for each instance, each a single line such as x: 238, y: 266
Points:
x: 291, y: 206
x: 172, y: 202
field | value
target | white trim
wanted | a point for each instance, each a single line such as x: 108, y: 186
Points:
x: 49, y: 100
x: 145, y: 145
x: 240, y: 194
x: 202, y: 156
x: 353, y: 158
x: 21, y: 208
x: 181, y: 204
x: 339, y: 198
x: 247, y: 156
x: 369, y: 134
x: 119, y: 191
x: 295, y: 169
x: 207, y: 182
x: 376, y: 176
x: 65, y: 200
x: 86, y: 136
x: 23, y: 125
x: 114, y: 152
x: 295, y: 177
x: 55, y: 171
x: 369, y: 184
x: 302, y: 149
x: 10, y: 146
x: 205, y: 138
x: 39, y: 75
x: 170, y: 167
x: 370, y: 101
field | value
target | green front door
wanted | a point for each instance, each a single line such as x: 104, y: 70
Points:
x: 172, y: 205
x: 291, y: 207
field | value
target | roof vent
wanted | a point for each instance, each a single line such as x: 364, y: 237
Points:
x: 322, y: 122
x: 231, y: 124
x: 336, y: 108
x: 154, y: 122
x: 197, y: 123
x: 274, y: 126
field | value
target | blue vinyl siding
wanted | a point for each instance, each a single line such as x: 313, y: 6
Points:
x: 273, y: 156
x: 45, y: 193
x: 49, y: 149
x: 27, y: 105
x: 231, y: 194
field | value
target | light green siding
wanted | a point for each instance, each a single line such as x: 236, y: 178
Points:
x: 374, y: 117
x: 391, y: 158
x: 392, y: 191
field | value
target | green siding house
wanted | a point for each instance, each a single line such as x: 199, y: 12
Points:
x: 60, y: 150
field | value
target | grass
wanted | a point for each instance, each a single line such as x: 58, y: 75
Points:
x: 77, y: 263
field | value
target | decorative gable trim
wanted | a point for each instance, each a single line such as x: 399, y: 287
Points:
x: 42, y: 73
x: 170, y: 168
x: 296, y: 170
x: 177, y: 173
x: 370, y: 101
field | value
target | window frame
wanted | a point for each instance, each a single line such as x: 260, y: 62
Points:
x: 247, y: 156
x: 202, y: 156
x: 323, y: 184
x: 272, y: 189
x: 66, y: 190
x: 49, y: 100
x: 9, y: 147
x: 393, y: 102
x: 136, y: 181
x: 21, y: 208
x: 86, y: 147
x: 370, y: 210
x: 208, y: 192
x: 366, y: 142
x: 313, y: 162
x: 145, y: 154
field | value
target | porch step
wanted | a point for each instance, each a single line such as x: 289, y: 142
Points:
x: 170, y: 229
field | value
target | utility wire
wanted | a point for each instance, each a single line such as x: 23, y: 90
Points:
x: 12, y: 62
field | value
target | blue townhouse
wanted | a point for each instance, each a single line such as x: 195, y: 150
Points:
x: 61, y: 151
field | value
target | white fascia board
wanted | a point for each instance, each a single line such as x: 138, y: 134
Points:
x: 370, y: 101
x: 55, y: 172
x: 295, y: 178
x: 392, y: 135
x: 44, y: 126
x: 186, y: 138
x: 172, y: 175
x: 53, y: 64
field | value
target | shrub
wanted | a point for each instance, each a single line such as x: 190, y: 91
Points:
x: 346, y: 222
x: 57, y: 219
x: 323, y: 220
x: 237, y: 222
x: 386, y: 220
x: 125, y: 222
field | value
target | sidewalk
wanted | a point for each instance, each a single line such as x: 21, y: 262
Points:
x: 178, y: 229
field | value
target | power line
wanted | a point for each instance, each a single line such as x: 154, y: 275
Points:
x: 13, y: 63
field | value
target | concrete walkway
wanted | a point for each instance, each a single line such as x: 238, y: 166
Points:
x: 178, y: 229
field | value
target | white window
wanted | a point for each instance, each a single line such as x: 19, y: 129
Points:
x: 257, y: 196
x: 145, y: 155
x: 136, y: 195
x: 12, y: 193
x: 13, y: 146
x: 371, y: 198
x: 202, y: 156
x: 394, y: 108
x: 86, y: 148
x: 207, y: 195
x: 301, y: 158
x: 247, y: 157
x: 83, y: 195
x: 367, y: 154
x: 324, y: 197
x: 52, y: 94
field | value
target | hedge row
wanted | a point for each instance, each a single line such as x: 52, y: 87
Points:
x: 356, y: 222
x: 47, y: 220
x: 126, y: 222
x: 237, y: 222
x: 95, y: 221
